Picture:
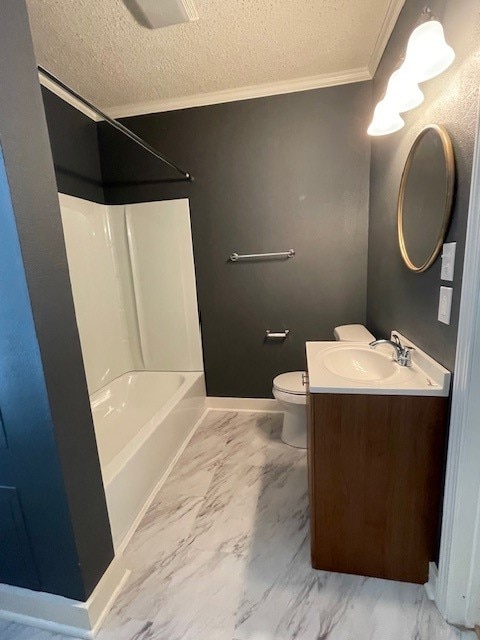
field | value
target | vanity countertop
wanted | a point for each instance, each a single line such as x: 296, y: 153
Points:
x: 356, y: 368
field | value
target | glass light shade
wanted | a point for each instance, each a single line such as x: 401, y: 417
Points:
x: 403, y: 92
x: 427, y: 52
x: 385, y: 121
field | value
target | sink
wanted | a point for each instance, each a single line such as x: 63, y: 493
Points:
x: 354, y: 367
x: 360, y: 364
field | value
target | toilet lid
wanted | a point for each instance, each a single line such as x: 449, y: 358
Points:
x: 290, y: 382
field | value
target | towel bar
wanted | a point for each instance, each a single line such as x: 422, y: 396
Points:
x: 236, y: 257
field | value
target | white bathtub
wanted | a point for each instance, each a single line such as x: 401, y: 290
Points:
x: 142, y: 419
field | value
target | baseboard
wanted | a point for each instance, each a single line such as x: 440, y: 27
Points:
x: 123, y: 544
x: 431, y: 589
x: 243, y: 404
x: 106, y: 592
x: 431, y: 585
x: 62, y: 615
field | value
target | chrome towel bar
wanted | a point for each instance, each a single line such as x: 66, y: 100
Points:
x: 236, y: 257
x: 279, y: 335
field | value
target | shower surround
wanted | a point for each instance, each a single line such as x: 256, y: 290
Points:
x: 133, y: 282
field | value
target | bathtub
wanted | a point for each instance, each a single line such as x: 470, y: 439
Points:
x: 142, y: 419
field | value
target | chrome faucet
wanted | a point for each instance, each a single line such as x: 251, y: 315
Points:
x: 402, y: 355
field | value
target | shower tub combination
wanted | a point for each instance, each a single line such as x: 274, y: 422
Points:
x: 142, y: 421
x: 133, y: 281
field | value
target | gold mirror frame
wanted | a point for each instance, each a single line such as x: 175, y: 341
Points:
x: 447, y: 213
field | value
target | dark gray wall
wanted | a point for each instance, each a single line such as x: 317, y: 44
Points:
x: 271, y: 174
x: 74, y: 142
x: 52, y: 501
x: 398, y: 298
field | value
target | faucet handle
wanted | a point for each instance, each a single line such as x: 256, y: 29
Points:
x: 405, y: 358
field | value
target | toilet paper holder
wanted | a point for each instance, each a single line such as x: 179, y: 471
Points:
x: 276, y: 335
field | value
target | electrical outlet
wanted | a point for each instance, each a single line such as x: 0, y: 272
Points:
x: 448, y: 261
x: 445, y: 304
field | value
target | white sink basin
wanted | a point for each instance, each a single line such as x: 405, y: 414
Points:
x: 354, y: 367
x: 355, y: 363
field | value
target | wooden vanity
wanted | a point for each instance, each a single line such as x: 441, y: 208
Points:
x: 375, y: 477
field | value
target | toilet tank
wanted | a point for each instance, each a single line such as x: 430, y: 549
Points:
x: 353, y: 333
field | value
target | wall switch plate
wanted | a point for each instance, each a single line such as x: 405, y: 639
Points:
x: 448, y: 261
x: 445, y: 304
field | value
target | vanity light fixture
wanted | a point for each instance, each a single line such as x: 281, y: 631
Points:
x: 427, y: 56
x: 403, y: 93
x: 385, y: 120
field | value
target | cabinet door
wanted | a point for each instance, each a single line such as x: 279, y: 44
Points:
x: 376, y: 472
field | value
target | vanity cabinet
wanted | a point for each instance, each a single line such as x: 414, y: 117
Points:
x: 376, y: 465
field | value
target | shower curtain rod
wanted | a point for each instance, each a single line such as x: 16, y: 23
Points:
x: 116, y: 125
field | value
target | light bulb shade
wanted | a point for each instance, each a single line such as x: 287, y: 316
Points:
x: 427, y: 52
x: 385, y: 121
x: 403, y: 93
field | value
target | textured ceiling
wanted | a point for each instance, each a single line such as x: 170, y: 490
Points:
x: 98, y: 48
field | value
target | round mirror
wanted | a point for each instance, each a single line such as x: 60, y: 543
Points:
x: 425, y: 198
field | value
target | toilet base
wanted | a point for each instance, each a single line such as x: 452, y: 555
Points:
x: 294, y: 431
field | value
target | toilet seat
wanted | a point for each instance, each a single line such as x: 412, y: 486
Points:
x: 290, y: 383
x: 291, y: 398
x: 289, y: 387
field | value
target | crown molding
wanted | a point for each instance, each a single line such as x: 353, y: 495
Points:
x: 391, y: 16
x: 242, y: 93
x: 360, y: 74
x: 64, y: 95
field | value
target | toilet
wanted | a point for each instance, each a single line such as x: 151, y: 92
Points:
x: 290, y: 390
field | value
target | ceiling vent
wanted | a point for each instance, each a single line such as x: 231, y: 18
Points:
x: 156, y: 14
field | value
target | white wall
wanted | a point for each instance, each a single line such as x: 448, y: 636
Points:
x: 131, y: 319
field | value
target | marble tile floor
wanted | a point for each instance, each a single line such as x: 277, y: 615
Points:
x: 223, y: 554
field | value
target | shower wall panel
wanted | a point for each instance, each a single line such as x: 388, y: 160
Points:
x: 133, y: 282
x: 164, y: 281
x: 97, y: 256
